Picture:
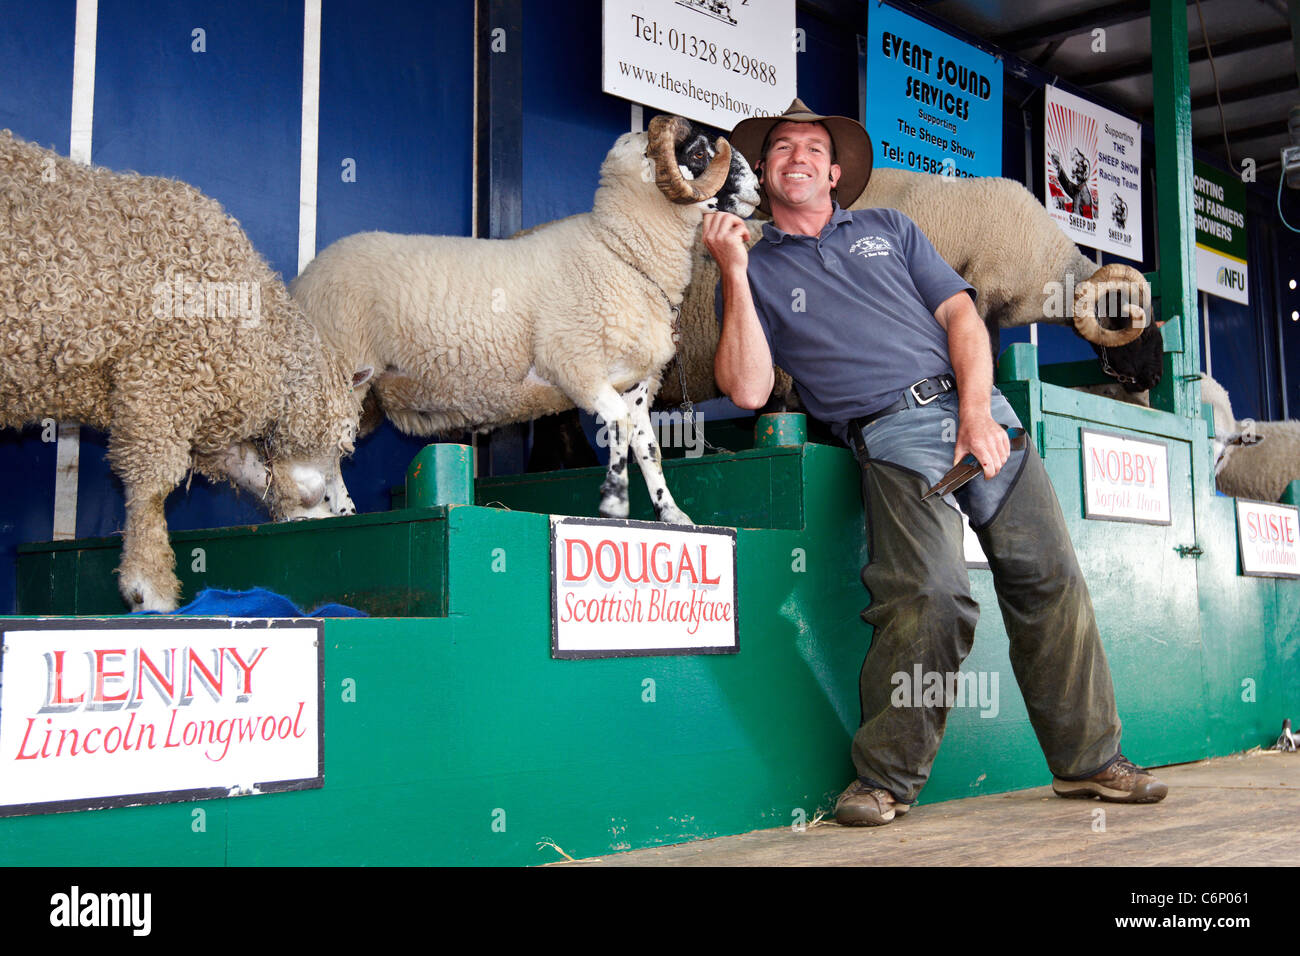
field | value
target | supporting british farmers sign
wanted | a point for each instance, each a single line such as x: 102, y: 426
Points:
x: 107, y: 713
x: 1124, y: 479
x: 1268, y: 536
x: 635, y: 588
x: 1220, y: 200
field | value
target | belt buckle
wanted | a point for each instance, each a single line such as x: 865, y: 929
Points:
x: 919, y: 400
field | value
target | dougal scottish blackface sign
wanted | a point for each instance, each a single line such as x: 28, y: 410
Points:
x: 629, y: 588
x: 103, y: 713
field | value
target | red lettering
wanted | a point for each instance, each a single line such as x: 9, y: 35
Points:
x: 1126, y: 468
x: 23, y: 746
x: 268, y: 724
x: 57, y: 697
x: 684, y: 563
x: 214, y: 681
x: 569, y: 575
x: 164, y: 682
x: 644, y: 577
x: 97, y: 686
x: 170, y: 724
x: 285, y: 727
x: 111, y: 748
x: 85, y: 744
x: 704, y: 567
x: 1112, y: 466
x: 247, y: 680
x: 1098, y: 461
x: 298, y: 719
x: 613, y: 575
x: 668, y: 567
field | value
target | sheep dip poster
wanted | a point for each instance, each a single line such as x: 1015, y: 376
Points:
x: 933, y: 103
x: 113, y: 713
x: 713, y: 61
x: 637, y: 588
x: 1093, y: 174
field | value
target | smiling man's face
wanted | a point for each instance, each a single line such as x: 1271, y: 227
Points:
x: 798, y: 173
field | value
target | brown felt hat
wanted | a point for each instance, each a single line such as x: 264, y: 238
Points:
x: 853, y: 152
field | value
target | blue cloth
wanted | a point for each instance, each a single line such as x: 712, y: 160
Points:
x: 850, y: 313
x: 258, y: 602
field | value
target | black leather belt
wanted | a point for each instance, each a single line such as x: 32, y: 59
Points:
x: 923, y: 392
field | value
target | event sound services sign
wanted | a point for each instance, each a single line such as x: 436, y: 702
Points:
x: 934, y: 103
x: 120, y: 712
x: 715, y: 61
x: 1093, y: 174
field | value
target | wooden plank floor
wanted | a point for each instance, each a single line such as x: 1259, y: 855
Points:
x: 1242, y: 810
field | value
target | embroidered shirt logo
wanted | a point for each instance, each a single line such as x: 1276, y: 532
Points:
x: 869, y: 246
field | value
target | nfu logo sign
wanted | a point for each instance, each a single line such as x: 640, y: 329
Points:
x: 1234, y: 279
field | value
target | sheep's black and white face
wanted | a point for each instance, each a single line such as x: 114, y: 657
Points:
x: 739, y: 194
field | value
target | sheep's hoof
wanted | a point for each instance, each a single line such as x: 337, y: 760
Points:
x: 613, y: 507
x: 140, y: 595
x: 674, y: 515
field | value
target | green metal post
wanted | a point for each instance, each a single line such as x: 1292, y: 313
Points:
x: 441, y: 474
x: 1178, y: 391
x: 778, y: 430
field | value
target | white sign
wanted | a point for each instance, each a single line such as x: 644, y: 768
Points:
x: 1093, y: 174
x: 1268, y: 537
x: 715, y: 61
x: 630, y: 588
x: 1124, y: 479
x: 154, y: 710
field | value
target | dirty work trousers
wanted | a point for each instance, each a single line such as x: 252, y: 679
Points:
x: 923, y: 614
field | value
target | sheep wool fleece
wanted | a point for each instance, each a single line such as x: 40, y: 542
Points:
x: 921, y: 609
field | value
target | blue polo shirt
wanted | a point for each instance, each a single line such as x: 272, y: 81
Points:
x: 850, y: 313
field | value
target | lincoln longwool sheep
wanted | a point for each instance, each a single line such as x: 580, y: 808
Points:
x: 1004, y: 243
x: 136, y: 305
x: 476, y: 333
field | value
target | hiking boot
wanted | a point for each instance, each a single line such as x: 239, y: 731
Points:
x: 1121, y: 782
x: 863, y: 806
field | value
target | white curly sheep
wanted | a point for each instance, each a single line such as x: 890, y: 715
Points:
x: 136, y: 305
x: 476, y: 333
x: 1252, y: 459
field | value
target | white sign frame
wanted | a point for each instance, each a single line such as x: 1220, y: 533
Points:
x: 1094, y: 513
x: 569, y: 647
x: 1249, y: 568
x: 686, y: 57
x: 26, y: 674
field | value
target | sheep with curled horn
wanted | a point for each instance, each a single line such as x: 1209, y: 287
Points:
x: 477, y: 333
x: 1001, y: 240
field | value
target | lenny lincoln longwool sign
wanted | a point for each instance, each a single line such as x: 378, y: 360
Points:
x: 118, y: 712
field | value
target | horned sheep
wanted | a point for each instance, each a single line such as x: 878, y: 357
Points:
x: 477, y: 333
x: 135, y: 304
x: 998, y: 236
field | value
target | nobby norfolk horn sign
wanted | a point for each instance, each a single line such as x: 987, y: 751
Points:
x: 1124, y: 479
x: 639, y: 588
x: 710, y: 60
x: 107, y: 713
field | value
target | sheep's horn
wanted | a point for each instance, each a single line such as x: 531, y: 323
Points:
x: 1093, y: 290
x: 665, y: 133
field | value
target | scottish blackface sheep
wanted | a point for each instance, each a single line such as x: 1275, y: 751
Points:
x: 477, y: 333
x: 135, y: 304
x: 1001, y: 240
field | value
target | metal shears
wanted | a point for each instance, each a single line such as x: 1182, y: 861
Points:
x: 968, y: 467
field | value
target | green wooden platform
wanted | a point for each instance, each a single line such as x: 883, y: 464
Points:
x: 467, y: 743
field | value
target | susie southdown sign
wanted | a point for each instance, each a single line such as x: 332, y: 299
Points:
x: 107, y: 713
x: 633, y: 588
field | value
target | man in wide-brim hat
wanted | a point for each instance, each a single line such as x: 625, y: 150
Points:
x: 883, y: 340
